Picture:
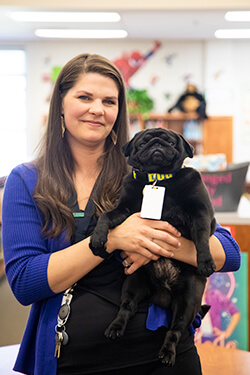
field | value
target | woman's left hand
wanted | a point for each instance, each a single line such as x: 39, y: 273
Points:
x: 133, y: 261
x: 186, y: 252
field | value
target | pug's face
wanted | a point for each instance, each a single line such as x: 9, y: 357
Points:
x: 157, y: 150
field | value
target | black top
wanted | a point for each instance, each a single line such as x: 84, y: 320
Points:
x: 94, y: 305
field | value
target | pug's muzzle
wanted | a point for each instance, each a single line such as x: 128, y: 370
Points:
x: 157, y: 152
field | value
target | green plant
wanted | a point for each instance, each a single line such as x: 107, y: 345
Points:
x: 139, y: 101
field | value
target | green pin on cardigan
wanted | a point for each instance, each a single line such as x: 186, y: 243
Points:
x: 78, y: 214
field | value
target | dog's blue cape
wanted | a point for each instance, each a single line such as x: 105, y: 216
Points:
x: 159, y: 317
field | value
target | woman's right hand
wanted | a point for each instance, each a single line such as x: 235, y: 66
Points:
x: 136, y: 236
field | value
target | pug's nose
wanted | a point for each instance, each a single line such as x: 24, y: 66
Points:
x: 157, y: 144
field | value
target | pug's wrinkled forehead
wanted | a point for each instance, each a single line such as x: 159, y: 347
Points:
x: 146, y: 136
x: 158, y: 150
x: 153, y: 134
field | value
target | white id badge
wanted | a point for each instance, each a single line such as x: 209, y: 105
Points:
x: 152, y: 202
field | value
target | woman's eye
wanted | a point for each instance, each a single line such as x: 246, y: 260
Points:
x: 84, y: 97
x: 110, y: 102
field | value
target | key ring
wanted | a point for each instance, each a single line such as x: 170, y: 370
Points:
x: 63, y: 315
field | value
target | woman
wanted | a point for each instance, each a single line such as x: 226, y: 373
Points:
x: 49, y: 211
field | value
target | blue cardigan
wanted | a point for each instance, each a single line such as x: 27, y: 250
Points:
x: 27, y: 254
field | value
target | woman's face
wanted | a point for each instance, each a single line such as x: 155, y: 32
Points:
x: 90, y: 109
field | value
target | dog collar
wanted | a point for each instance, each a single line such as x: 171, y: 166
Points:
x: 151, y: 177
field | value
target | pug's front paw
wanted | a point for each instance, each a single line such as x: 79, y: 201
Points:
x: 206, y: 268
x: 98, y: 241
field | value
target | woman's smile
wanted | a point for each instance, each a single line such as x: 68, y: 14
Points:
x: 93, y: 123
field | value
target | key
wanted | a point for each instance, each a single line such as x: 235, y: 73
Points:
x: 59, y: 340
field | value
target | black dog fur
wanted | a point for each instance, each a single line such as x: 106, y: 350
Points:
x: 166, y: 282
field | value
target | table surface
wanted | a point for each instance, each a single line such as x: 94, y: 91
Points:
x: 232, y: 218
x: 214, y: 360
x: 223, y: 361
x: 8, y: 356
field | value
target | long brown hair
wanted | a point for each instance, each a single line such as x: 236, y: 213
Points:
x: 55, y: 164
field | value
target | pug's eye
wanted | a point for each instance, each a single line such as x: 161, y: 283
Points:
x: 148, y: 137
x: 142, y: 144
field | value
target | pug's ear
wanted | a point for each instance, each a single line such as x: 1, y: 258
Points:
x: 127, y: 148
x: 187, y: 146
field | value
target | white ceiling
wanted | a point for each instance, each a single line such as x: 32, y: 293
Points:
x: 140, y: 24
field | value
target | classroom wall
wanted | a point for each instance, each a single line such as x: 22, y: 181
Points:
x: 220, y: 69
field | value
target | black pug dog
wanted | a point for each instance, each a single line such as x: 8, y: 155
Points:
x: 159, y: 154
